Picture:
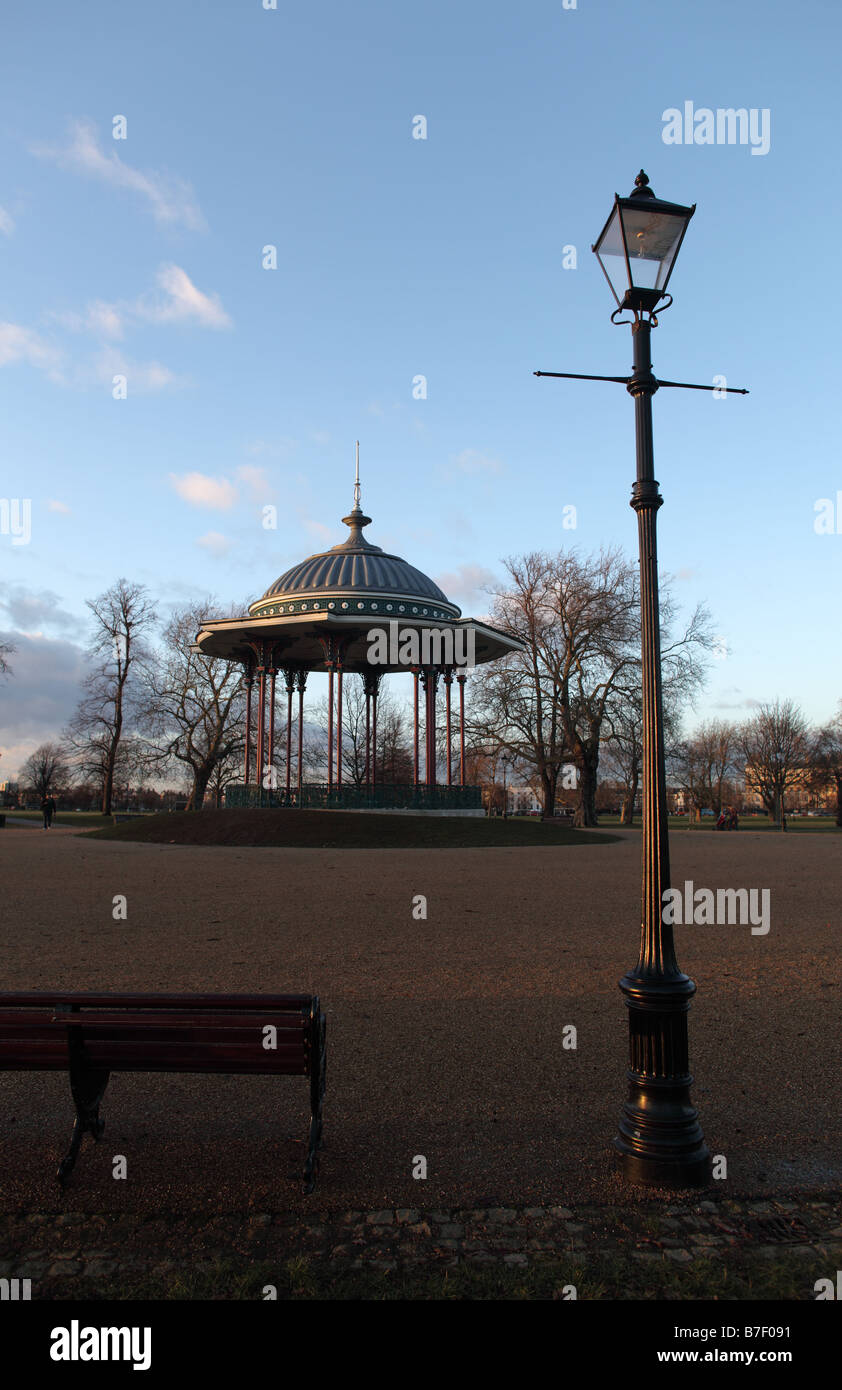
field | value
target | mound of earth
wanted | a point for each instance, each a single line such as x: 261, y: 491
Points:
x: 342, y: 830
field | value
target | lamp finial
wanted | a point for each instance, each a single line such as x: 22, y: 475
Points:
x: 641, y: 187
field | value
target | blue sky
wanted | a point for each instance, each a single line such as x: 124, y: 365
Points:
x: 399, y: 257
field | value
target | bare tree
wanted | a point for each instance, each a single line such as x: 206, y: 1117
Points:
x: 774, y: 748
x: 192, y: 705
x: 393, y: 759
x: 515, y: 703
x: 703, y: 764
x: 578, y: 680
x: 122, y: 616
x: 46, y: 770
x: 683, y: 674
x: 826, y: 759
x: 7, y: 649
x: 393, y: 751
x: 226, y: 770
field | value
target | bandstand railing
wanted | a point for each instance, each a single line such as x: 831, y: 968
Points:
x: 353, y: 798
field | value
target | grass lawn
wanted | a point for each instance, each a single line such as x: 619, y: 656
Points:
x: 77, y: 818
x: 344, y: 830
x: 797, y: 824
x: 743, y: 1276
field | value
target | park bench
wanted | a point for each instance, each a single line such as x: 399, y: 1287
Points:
x: 91, y: 1035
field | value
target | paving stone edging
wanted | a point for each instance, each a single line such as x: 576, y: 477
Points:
x: 57, y: 1247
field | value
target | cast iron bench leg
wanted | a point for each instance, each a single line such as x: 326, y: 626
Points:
x: 87, y: 1100
x: 87, y: 1086
x: 317, y: 1092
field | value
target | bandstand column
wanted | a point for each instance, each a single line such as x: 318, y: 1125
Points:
x: 415, y: 677
x: 289, y: 678
x: 461, y: 681
x: 375, y: 688
x: 261, y: 720
x: 371, y: 685
x: 367, y: 734
x: 339, y: 725
x: 430, y: 678
x: 302, y: 686
x: 329, y: 727
x: 448, y: 681
x: 272, y: 675
x: 249, y: 684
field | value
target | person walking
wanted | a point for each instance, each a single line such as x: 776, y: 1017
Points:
x: 47, y: 808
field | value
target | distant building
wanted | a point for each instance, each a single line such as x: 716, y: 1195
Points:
x: 9, y: 793
x: 802, y: 793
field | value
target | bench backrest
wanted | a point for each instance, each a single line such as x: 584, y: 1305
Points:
x: 223, y: 1033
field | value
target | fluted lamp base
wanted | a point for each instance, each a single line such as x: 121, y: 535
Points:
x: 660, y: 1140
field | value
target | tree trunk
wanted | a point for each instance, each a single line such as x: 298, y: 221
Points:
x: 201, y: 777
x: 627, y: 809
x: 586, y: 810
x: 108, y: 786
x: 548, y: 789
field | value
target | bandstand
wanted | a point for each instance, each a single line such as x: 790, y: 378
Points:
x: 355, y: 610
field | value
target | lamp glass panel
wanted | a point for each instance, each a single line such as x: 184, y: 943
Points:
x: 612, y: 255
x: 652, y: 239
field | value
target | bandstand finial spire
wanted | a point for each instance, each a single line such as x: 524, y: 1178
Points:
x: 356, y: 518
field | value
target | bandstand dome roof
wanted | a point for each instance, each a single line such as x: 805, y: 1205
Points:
x: 356, y: 567
x: 344, y: 593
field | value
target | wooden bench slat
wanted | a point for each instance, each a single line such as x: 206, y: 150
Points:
x: 224, y: 1022
x: 91, y: 1035
x: 49, y: 999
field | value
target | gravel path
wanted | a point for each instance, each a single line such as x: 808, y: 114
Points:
x: 444, y: 1035
x: 106, y: 1253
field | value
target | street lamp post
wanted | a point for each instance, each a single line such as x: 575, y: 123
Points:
x: 659, y: 1140
x: 505, y: 760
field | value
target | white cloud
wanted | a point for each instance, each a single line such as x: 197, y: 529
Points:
x: 319, y: 530
x: 471, y: 461
x: 142, y: 378
x: 274, y: 448
x: 55, y: 506
x: 180, y: 302
x: 201, y: 491
x: 170, y: 199
x: 19, y: 344
x: 215, y: 543
x: 468, y: 585
x: 39, y: 699
x: 183, y: 302
x: 255, y: 480
x: 7, y: 226
x: 105, y: 319
x: 30, y: 610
